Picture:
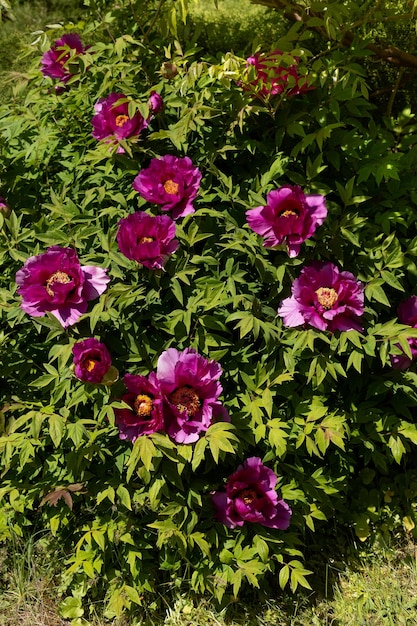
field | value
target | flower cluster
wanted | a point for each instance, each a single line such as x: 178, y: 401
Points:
x: 172, y: 183
x: 250, y: 496
x: 181, y: 398
x: 272, y: 77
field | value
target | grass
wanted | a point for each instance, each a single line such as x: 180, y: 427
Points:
x: 379, y: 589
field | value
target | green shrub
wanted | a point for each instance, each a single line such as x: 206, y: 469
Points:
x: 325, y: 411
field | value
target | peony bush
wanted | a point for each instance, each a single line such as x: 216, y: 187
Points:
x: 207, y: 306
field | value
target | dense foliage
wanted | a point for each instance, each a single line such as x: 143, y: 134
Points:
x: 194, y: 436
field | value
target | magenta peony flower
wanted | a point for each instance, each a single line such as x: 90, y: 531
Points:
x: 171, y: 182
x: 147, y: 239
x: 155, y: 103
x: 251, y: 497
x: 112, y: 121
x: 324, y: 298
x: 289, y: 216
x: 92, y: 360
x: 190, y: 387
x: 55, y: 281
x: 271, y: 77
x: 407, y: 311
x: 55, y: 63
x: 407, y: 314
x: 145, y: 414
x: 4, y: 207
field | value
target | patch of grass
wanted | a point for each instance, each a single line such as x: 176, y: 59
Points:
x: 380, y: 589
x: 233, y: 25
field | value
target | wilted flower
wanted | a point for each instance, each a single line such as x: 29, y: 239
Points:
x: 112, y: 121
x: 407, y: 314
x: 172, y: 182
x: 147, y: 239
x: 272, y: 77
x: 56, y: 62
x: 325, y: 298
x: 56, y: 282
x: 145, y: 414
x: 155, y: 103
x: 190, y: 386
x: 290, y: 216
x: 169, y: 70
x: 92, y: 360
x: 250, y: 496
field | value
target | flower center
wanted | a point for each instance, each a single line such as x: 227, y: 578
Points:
x: 57, y: 277
x: 289, y: 212
x: 146, y: 240
x: 327, y: 297
x: 186, y: 400
x: 248, y: 496
x: 90, y: 365
x: 121, y: 120
x: 143, y: 406
x: 171, y: 187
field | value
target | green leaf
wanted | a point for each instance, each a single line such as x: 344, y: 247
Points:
x: 71, y: 608
x: 56, y: 428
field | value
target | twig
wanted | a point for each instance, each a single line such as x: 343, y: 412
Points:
x: 155, y: 17
x: 394, y: 91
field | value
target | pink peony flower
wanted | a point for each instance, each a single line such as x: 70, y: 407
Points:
x: 112, y: 121
x: 250, y: 496
x: 190, y: 386
x: 272, y: 77
x: 55, y: 63
x: 324, y: 298
x: 289, y: 216
x: 55, y: 281
x: 147, y: 239
x: 172, y: 182
x: 92, y: 360
x: 155, y: 103
x: 145, y: 414
x: 407, y: 314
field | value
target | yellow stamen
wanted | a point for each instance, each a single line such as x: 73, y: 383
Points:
x: 171, y: 187
x: 121, y: 120
x: 143, y: 406
x: 57, y: 277
x: 248, y: 496
x: 186, y: 400
x: 146, y: 240
x: 90, y: 365
x: 289, y: 213
x: 327, y: 297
